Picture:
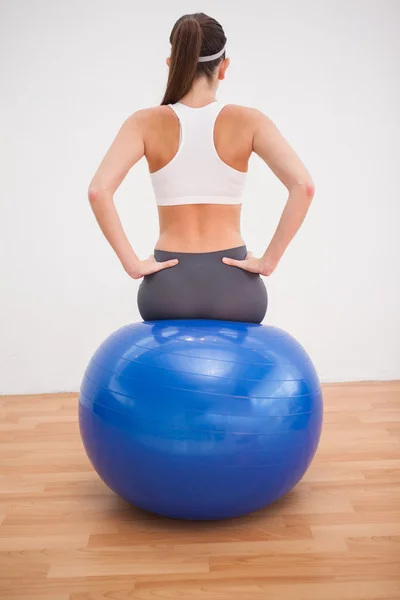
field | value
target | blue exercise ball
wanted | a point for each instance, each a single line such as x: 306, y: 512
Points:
x: 200, y: 419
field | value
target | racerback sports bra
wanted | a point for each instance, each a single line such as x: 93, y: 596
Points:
x: 196, y: 174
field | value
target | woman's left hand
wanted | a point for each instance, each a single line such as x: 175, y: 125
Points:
x: 251, y: 264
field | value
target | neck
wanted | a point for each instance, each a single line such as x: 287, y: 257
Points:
x: 201, y: 93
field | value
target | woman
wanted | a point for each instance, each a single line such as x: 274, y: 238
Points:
x: 197, y: 152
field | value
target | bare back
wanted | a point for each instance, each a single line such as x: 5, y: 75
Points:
x: 198, y: 227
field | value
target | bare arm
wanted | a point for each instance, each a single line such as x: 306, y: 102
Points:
x: 125, y: 151
x: 272, y: 147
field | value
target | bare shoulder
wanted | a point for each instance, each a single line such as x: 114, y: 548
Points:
x: 253, y: 117
x: 149, y: 116
x: 237, y: 111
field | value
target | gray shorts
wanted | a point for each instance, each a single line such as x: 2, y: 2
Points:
x: 201, y: 286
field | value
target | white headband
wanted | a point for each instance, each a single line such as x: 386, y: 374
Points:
x: 212, y: 57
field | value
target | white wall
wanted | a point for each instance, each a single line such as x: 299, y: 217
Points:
x: 71, y: 72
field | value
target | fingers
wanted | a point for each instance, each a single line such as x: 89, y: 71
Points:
x: 167, y: 264
x: 242, y: 264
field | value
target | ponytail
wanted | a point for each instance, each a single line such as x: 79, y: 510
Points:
x: 186, y: 39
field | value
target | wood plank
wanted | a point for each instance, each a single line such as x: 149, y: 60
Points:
x: 65, y: 536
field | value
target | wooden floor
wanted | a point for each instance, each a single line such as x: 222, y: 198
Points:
x: 65, y: 536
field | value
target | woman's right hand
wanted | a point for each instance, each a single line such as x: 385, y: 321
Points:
x: 145, y: 267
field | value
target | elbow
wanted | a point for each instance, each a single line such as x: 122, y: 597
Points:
x: 93, y: 194
x: 307, y: 190
x: 96, y: 194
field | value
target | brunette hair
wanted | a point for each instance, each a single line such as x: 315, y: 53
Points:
x: 192, y: 36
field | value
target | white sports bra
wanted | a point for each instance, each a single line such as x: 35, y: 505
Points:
x: 196, y: 174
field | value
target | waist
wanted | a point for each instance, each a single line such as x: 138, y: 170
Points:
x: 237, y: 253
x: 202, y: 245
